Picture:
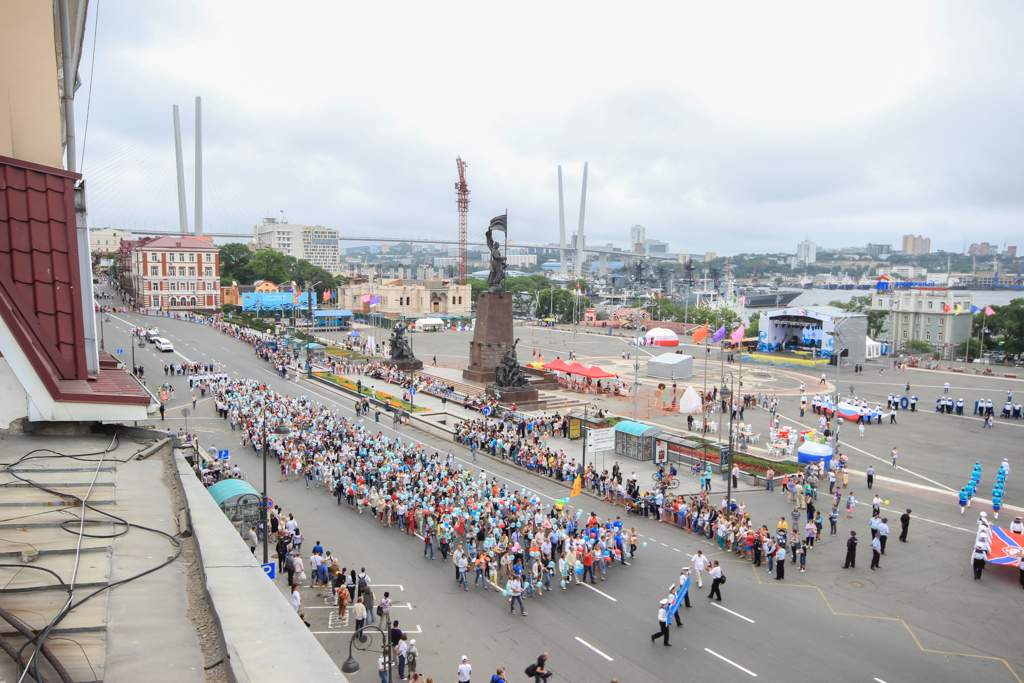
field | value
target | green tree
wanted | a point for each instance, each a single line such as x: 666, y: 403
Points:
x: 268, y: 264
x: 919, y: 348
x: 969, y: 349
x: 234, y: 262
x: 477, y: 285
x: 1008, y: 322
x: 862, y: 304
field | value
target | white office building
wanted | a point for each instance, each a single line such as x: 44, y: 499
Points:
x: 806, y: 252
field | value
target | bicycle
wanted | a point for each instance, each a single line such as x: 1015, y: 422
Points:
x: 672, y: 482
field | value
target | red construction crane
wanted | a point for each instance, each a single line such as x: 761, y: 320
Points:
x: 462, y: 191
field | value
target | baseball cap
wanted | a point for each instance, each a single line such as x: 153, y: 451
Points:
x: 465, y: 658
x: 665, y: 601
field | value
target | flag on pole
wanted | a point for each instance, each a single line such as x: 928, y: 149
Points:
x: 974, y: 309
x: 700, y: 333
x: 296, y: 297
x: 374, y: 301
x: 737, y: 336
x: 945, y: 308
x: 365, y: 298
x: 957, y: 309
x: 576, y: 486
x: 989, y: 311
x: 719, y: 335
x: 327, y: 295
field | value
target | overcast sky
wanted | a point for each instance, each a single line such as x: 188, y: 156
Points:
x: 728, y: 128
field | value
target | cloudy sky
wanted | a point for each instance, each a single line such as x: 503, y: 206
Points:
x: 737, y: 127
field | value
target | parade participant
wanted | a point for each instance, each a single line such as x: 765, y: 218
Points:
x: 905, y: 525
x: 717, y: 580
x: 662, y: 624
x: 851, y: 551
x: 978, y: 560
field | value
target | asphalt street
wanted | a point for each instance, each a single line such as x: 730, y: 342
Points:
x: 920, y: 617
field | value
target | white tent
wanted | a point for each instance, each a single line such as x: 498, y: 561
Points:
x: 429, y: 322
x: 690, y: 403
x: 874, y: 349
x: 670, y: 366
x: 660, y: 336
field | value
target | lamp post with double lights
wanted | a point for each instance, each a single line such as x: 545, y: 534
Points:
x: 282, y: 430
x: 351, y: 665
x: 726, y: 462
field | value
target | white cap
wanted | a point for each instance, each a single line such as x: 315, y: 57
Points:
x: 665, y: 601
x: 465, y: 658
x: 412, y: 642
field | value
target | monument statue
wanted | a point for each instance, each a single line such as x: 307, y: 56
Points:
x: 508, y: 374
x: 497, y: 274
x: 399, y: 344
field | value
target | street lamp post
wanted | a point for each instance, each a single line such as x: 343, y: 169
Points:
x: 351, y: 665
x: 726, y: 462
x: 265, y: 516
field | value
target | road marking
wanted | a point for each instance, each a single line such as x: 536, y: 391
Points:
x: 724, y: 659
x: 597, y: 591
x: 733, y: 613
x: 932, y: 521
x: 665, y: 544
x: 677, y: 550
x: 879, y: 680
x: 598, y: 651
x: 324, y: 633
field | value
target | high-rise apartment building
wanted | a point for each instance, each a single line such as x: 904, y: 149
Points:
x: 917, y: 244
x: 806, y: 252
x: 313, y: 243
x: 637, y: 236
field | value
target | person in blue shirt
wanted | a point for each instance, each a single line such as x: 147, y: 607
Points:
x: 318, y: 549
x: 963, y: 499
x: 997, y: 500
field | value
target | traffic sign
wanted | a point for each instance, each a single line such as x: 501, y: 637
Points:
x: 270, y: 503
x: 269, y: 570
x: 601, y: 439
x: 120, y: 351
x: 223, y: 455
x: 486, y: 410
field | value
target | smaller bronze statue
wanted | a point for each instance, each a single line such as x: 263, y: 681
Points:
x: 399, y: 344
x: 508, y: 374
x: 497, y: 274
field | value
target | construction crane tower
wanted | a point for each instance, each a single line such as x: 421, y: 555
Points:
x: 462, y: 191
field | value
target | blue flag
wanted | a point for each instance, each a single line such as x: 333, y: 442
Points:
x: 974, y: 309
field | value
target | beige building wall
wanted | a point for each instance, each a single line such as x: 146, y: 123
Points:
x: 30, y: 116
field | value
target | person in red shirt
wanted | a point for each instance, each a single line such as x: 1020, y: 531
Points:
x: 588, y: 566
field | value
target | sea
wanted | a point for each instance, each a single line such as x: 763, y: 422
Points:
x: 821, y: 297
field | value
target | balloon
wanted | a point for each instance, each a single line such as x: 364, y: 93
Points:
x: 579, y: 569
x: 886, y: 502
x: 645, y: 544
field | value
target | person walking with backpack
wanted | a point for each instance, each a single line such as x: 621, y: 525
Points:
x: 537, y: 670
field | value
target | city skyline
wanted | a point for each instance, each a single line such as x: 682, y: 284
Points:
x: 918, y: 137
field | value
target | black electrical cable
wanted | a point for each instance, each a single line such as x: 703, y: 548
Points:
x: 70, y: 605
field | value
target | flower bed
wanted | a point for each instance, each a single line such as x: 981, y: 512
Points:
x: 392, y: 401
x: 752, y: 463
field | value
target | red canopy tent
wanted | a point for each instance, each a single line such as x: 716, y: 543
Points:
x: 591, y: 372
x: 557, y: 364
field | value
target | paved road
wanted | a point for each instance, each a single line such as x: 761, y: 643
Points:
x: 895, y: 624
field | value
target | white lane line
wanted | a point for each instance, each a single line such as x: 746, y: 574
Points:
x: 418, y: 630
x: 677, y: 550
x: 596, y: 650
x: 724, y: 659
x: 879, y: 680
x: 932, y: 521
x: 665, y: 544
x: 597, y: 591
x: 715, y: 604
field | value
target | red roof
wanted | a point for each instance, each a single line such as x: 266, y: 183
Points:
x: 39, y: 283
x: 175, y: 242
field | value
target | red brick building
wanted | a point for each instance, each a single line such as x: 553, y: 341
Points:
x: 172, y: 273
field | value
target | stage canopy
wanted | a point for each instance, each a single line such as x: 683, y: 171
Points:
x: 810, y: 331
x: 670, y: 366
x: 659, y: 336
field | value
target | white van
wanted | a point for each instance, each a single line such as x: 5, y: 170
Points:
x: 163, y: 344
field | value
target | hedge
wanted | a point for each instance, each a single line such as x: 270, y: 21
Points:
x: 392, y: 401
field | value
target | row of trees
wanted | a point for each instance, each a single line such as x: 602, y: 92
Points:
x: 240, y: 264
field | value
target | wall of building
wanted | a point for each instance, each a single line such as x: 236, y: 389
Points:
x: 15, y: 404
x: 30, y: 112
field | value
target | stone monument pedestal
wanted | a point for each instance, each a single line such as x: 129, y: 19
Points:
x: 526, y: 398
x: 492, y: 336
x: 406, y: 366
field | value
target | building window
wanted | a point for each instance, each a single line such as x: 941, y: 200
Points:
x: 181, y: 258
x: 920, y: 305
x: 904, y: 334
x: 942, y: 321
x: 940, y: 336
x: 927, y: 336
x: 174, y: 286
x: 191, y: 286
x: 192, y: 302
x: 192, y: 272
x: 906, y: 319
x: 209, y: 272
x: 155, y: 270
x: 174, y: 301
x: 928, y: 318
x: 191, y: 258
x: 930, y: 305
